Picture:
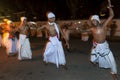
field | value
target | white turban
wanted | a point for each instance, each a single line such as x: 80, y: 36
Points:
x: 96, y: 17
x: 5, y: 20
x: 22, y: 19
x: 9, y: 22
x: 32, y: 22
x: 51, y: 15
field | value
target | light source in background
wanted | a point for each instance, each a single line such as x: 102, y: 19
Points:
x: 79, y: 22
x: 34, y: 17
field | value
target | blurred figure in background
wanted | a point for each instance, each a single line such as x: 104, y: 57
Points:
x: 66, y: 32
x: 33, y: 28
x: 9, y: 40
x: 85, y: 35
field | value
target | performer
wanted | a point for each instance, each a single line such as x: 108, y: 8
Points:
x: 0, y: 40
x: 101, y: 53
x: 33, y: 28
x: 24, y: 49
x: 0, y: 35
x: 6, y: 40
x: 5, y: 31
x: 12, y: 37
x: 54, y: 52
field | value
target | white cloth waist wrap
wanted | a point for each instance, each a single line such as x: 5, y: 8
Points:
x: 104, y: 57
x: 54, y: 52
x: 24, y: 49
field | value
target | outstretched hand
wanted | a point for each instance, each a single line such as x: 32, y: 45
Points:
x: 67, y: 45
x: 109, y: 4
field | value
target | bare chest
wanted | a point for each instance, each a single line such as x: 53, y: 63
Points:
x: 99, y: 31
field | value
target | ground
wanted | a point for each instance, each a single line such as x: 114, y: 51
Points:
x: 79, y: 67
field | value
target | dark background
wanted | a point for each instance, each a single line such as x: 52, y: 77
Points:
x: 63, y: 9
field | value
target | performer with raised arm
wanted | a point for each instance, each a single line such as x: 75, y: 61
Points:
x: 24, y: 49
x: 54, y: 52
x: 101, y: 52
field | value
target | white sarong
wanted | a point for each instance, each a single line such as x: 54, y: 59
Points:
x: 54, y: 52
x: 24, y: 49
x: 102, y: 55
x: 7, y: 42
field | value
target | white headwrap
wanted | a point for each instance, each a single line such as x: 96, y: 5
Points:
x: 31, y: 22
x: 51, y: 15
x: 22, y: 19
x: 5, y: 20
x: 96, y: 17
x: 9, y: 21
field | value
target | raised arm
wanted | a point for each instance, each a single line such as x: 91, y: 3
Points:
x: 111, y: 14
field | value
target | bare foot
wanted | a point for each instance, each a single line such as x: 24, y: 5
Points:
x: 114, y: 76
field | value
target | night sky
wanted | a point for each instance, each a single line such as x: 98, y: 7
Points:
x: 38, y: 8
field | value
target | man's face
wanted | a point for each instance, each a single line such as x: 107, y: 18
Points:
x: 11, y: 24
x: 94, y: 22
x: 25, y: 21
x: 51, y: 19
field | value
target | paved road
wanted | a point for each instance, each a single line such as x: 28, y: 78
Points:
x: 79, y: 67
